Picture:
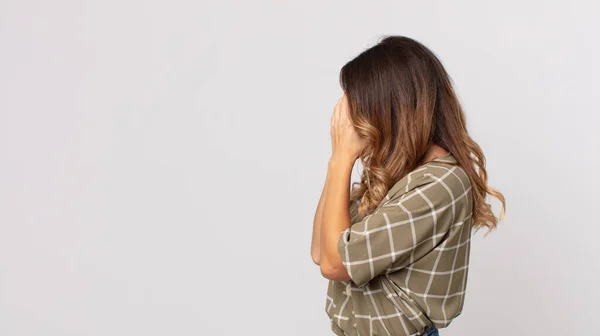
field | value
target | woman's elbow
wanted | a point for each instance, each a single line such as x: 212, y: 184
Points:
x: 327, y: 271
x: 331, y: 272
x: 316, y: 258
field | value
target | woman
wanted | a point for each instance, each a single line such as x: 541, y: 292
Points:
x: 395, y: 248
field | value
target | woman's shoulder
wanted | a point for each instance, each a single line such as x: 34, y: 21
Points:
x: 441, y: 176
x: 446, y: 169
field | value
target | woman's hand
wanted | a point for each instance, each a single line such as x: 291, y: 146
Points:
x: 346, y: 144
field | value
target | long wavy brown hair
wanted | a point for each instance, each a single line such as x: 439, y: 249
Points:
x: 401, y: 101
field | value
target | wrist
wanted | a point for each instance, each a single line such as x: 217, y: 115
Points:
x: 341, y: 161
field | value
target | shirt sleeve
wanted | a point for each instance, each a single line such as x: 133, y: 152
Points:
x: 402, y: 230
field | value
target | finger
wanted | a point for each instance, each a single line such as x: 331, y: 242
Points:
x: 336, y: 110
x: 343, y: 115
x: 344, y: 106
x: 334, y: 117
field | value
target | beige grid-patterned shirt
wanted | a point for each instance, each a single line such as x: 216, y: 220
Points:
x: 408, y: 259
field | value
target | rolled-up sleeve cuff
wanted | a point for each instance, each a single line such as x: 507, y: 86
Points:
x: 345, y: 255
x: 343, y: 240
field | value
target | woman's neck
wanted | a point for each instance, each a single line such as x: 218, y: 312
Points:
x: 434, y: 151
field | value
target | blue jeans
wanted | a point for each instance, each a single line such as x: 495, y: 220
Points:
x: 431, y: 332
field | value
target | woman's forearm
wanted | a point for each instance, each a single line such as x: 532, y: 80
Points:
x: 336, y: 217
x: 315, y: 248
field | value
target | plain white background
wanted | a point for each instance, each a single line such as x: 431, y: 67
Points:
x: 161, y: 161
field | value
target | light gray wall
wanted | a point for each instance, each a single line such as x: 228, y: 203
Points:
x: 161, y: 161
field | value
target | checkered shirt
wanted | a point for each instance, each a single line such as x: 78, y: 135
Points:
x: 408, y: 259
